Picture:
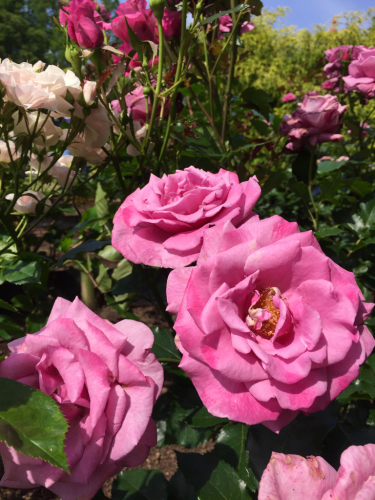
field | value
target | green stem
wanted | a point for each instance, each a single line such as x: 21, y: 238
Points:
x: 158, y: 86
x: 177, y: 80
x: 315, y: 220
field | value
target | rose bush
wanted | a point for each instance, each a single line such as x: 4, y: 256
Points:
x: 105, y: 380
x: 162, y: 224
x: 317, y: 120
x: 291, y: 477
x: 267, y: 324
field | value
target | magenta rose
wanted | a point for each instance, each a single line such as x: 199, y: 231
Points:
x: 84, y: 23
x: 267, y: 324
x: 362, y: 73
x: 105, y: 380
x: 291, y: 477
x: 171, y: 24
x: 141, y: 20
x: 317, y: 120
x: 162, y: 224
x: 335, y: 58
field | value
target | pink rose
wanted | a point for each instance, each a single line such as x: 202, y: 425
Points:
x: 141, y: 20
x: 171, y: 24
x: 136, y: 105
x: 26, y: 204
x: 291, y: 477
x: 316, y: 121
x: 83, y: 22
x: 362, y: 73
x: 335, y: 57
x: 226, y: 26
x: 105, y: 380
x: 267, y: 324
x: 289, y: 97
x: 163, y: 223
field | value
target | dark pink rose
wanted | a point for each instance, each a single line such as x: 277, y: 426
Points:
x: 317, y: 120
x: 289, y: 97
x: 171, y: 24
x: 267, y: 324
x: 141, y: 20
x: 136, y: 104
x: 226, y: 25
x: 163, y: 223
x: 335, y: 57
x: 84, y: 23
x: 362, y: 73
x: 105, y: 380
x: 291, y: 477
x: 104, y: 13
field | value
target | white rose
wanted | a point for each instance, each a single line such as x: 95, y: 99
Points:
x: 26, y: 204
x: 140, y: 133
x: 97, y: 126
x: 89, y: 92
x: 94, y: 156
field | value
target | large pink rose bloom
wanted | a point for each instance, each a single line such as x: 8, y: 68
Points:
x: 267, y: 324
x: 362, y: 73
x: 317, y: 120
x: 105, y: 380
x: 171, y: 24
x: 291, y: 477
x: 162, y: 224
x: 335, y: 58
x: 141, y: 20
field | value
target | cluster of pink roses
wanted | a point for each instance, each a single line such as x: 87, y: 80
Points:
x: 85, y: 24
x: 334, y: 68
x: 267, y: 324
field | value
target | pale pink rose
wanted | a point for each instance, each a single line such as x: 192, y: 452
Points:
x: 317, y: 120
x: 335, y: 58
x: 84, y: 23
x: 162, y: 224
x: 97, y: 126
x: 141, y: 20
x: 171, y: 23
x: 47, y: 133
x: 362, y: 73
x: 289, y: 97
x: 59, y: 171
x: 291, y: 477
x: 32, y: 87
x: 93, y: 156
x: 105, y: 381
x: 8, y: 152
x: 26, y: 204
x: 267, y: 324
x: 140, y: 132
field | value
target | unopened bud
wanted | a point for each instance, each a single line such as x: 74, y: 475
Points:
x: 157, y: 7
x: 146, y: 91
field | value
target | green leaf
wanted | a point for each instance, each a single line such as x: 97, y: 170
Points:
x: 8, y: 307
x: 367, y: 213
x: 302, y: 164
x: 179, y: 489
x: 359, y: 187
x: 140, y: 485
x: 213, y: 18
x: 257, y: 99
x: 329, y: 166
x: 364, y: 386
x: 7, y: 325
x: 110, y: 253
x: 212, y: 479
x: 328, y: 231
x: 131, y: 283
x: 330, y: 187
x: 204, y: 419
x: 87, y: 246
x: 300, y: 189
x: 164, y: 347
x: 85, y: 223
x: 103, y: 280
x: 123, y: 269
x: 230, y: 447
x: 4, y: 335
x: 23, y: 272
x: 32, y: 423
x: 101, y: 203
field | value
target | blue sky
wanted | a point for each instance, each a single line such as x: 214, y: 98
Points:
x: 306, y: 13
